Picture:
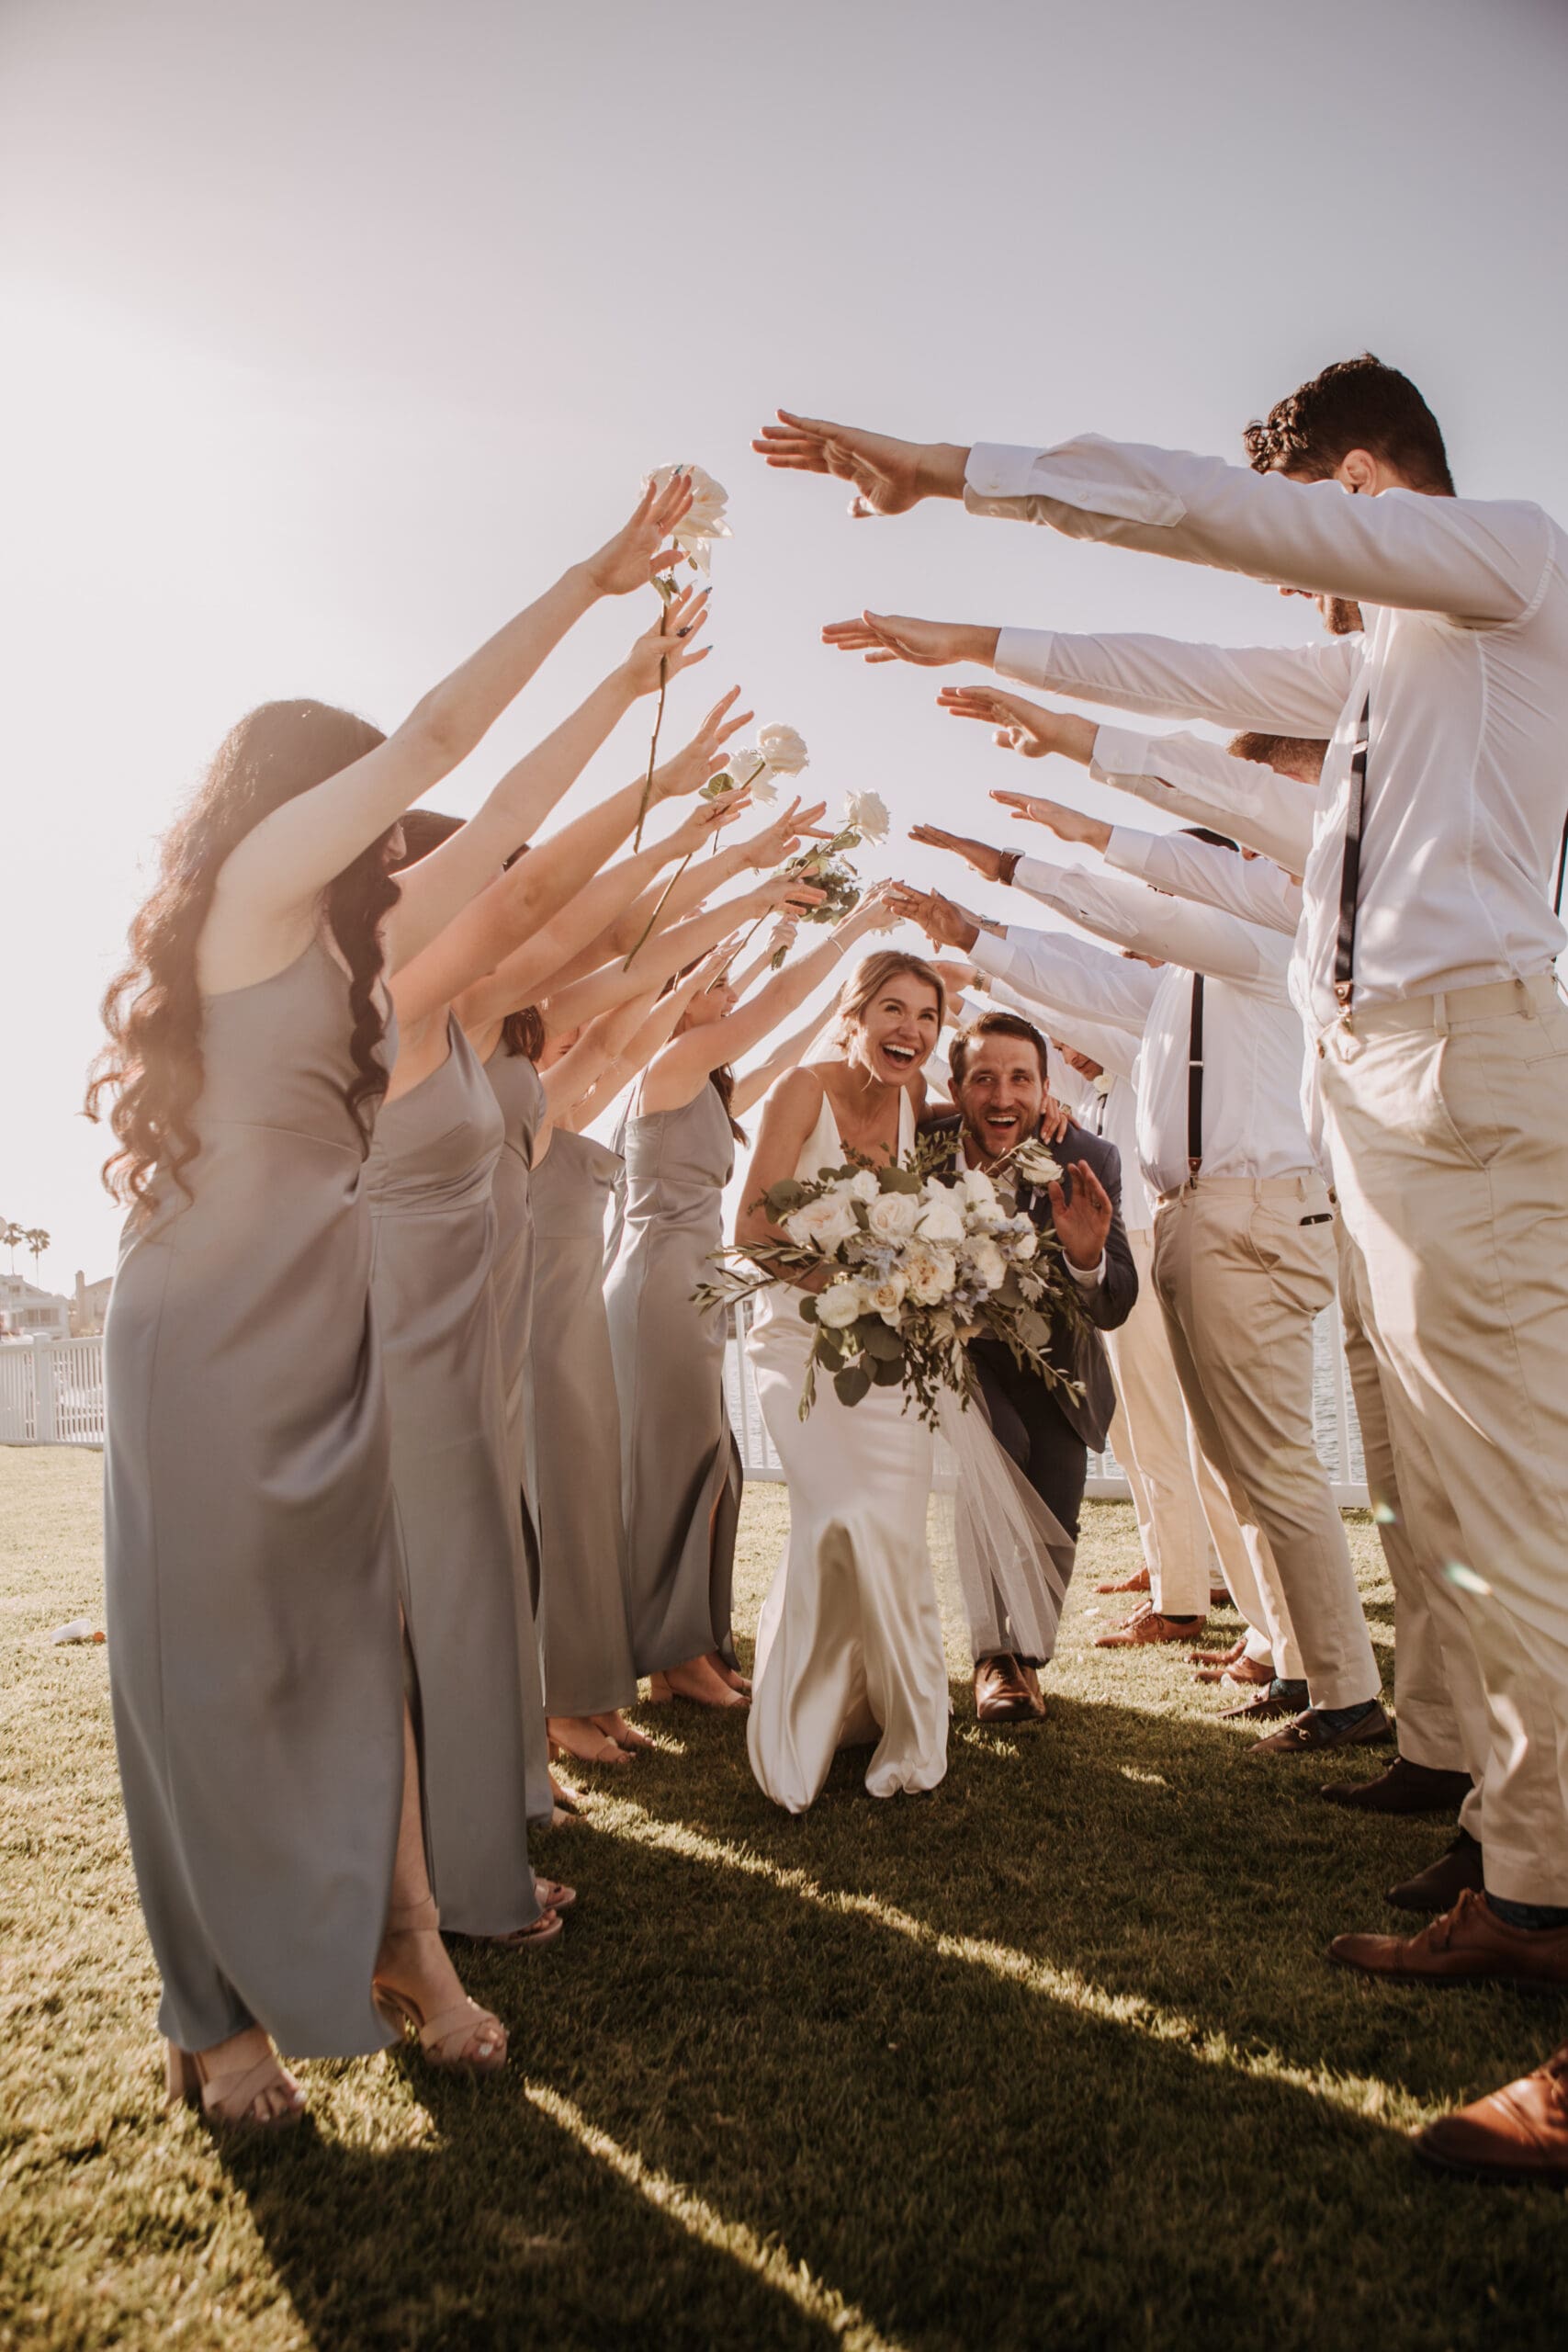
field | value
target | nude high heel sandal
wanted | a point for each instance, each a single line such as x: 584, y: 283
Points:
x: 227, y: 2096
x: 461, y: 2036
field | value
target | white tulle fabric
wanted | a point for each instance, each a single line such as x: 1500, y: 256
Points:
x: 850, y: 1646
x: 1013, y: 1554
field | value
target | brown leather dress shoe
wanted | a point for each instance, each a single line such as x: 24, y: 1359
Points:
x: 1267, y: 1707
x: 1218, y: 1598
x: 1404, y: 1788
x: 1030, y: 1674
x: 1309, y: 1735
x: 1147, y: 1626
x: 1001, y: 1694
x: 1440, y: 1884
x: 1140, y: 1583
x: 1468, y: 1945
x: 1517, y: 2133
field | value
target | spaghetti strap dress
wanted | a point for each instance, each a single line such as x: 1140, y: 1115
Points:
x: 251, y: 1550
x: 466, y: 1603
x: 584, y: 1607
x: 681, y: 1467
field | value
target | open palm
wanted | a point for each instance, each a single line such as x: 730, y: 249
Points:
x: 885, y: 473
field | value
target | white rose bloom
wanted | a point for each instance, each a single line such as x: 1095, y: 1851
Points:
x: 888, y: 1295
x: 865, y: 1187
x: 941, y: 1220
x: 840, y: 1305
x: 867, y: 812
x: 783, y: 749
x: 1035, y: 1164
x: 991, y: 1266
x: 930, y: 1274
x: 822, y: 1225
x: 893, y: 1217
x: 977, y: 1186
x: 704, y: 520
x: 1024, y: 1245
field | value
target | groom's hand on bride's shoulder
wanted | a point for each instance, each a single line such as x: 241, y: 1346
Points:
x: 888, y: 476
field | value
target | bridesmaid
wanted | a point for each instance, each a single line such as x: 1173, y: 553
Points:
x: 681, y: 1469
x: 250, y: 1549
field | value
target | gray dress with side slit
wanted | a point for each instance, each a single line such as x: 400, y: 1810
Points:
x: 681, y: 1467
x: 251, y: 1553
x: 584, y: 1608
x: 466, y: 1602
x: 520, y: 1091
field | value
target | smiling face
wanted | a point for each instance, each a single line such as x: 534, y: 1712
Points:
x: 898, y: 1029
x: 1001, y: 1094
x: 716, y: 1004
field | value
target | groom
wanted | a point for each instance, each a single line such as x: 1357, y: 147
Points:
x: 998, y: 1066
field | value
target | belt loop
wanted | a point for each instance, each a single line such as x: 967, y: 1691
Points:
x: 1526, y: 1000
x: 1440, y: 1012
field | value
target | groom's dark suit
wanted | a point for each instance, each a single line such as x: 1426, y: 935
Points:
x: 1050, y: 1436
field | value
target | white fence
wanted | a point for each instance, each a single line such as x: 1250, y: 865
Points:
x: 52, y: 1393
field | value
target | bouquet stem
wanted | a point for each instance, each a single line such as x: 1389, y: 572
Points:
x: 665, y: 589
x: 659, y: 909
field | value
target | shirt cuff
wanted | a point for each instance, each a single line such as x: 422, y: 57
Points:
x: 1119, y: 752
x: 1025, y: 655
x: 1128, y: 851
x: 1000, y: 469
x: 1040, y: 880
x: 991, y: 956
x: 1087, y: 1277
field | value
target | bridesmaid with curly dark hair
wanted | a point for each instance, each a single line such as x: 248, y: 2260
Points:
x: 251, y: 1547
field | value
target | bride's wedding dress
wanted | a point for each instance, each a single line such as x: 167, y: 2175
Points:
x: 850, y: 1646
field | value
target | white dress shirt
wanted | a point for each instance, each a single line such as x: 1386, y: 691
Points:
x: 1254, y: 889
x: 1253, y: 1053
x: 1465, y: 661
x: 1198, y: 780
x: 1107, y: 1105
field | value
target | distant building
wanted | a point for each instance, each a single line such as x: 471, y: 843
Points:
x: 90, y: 1305
x: 26, y: 1312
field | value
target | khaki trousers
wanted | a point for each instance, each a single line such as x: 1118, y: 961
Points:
x: 1447, y: 1122
x: 1438, y: 1687
x: 1242, y: 1279
x: 1184, y: 1515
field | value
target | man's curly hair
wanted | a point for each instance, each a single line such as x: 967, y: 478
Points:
x: 1355, y: 404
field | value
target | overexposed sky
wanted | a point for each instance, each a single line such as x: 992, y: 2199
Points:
x: 331, y: 330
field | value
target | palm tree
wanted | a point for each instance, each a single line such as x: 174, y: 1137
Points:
x: 37, y: 1240
x: 11, y: 1234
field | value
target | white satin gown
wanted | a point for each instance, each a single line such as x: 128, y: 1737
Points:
x: 850, y: 1646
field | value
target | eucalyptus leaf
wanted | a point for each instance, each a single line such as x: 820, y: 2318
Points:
x: 850, y: 1385
x: 888, y: 1372
x: 879, y: 1339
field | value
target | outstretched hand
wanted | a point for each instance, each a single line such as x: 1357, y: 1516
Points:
x: 671, y: 646
x: 1067, y: 824
x: 701, y: 823
x: 690, y: 768
x: 944, y: 922
x: 1083, y: 1223
x: 637, y: 555
x: 897, y: 637
x: 981, y: 856
x: 784, y: 835
x: 1022, y: 725
x: 888, y: 476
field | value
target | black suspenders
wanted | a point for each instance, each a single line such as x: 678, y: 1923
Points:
x: 1099, y: 1112
x: 1350, y: 872
x: 1195, y: 1078
x: 1561, y: 869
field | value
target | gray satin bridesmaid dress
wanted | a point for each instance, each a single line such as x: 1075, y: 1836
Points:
x: 520, y: 1091
x: 681, y: 1467
x: 466, y: 1601
x: 584, y: 1608
x: 251, y: 1552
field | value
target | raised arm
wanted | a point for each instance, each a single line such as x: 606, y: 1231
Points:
x: 1200, y: 938
x: 1254, y: 889
x: 650, y: 1029
x: 750, y: 1085
x: 268, y: 887
x: 1056, y: 965
x: 1187, y: 776
x: 669, y: 950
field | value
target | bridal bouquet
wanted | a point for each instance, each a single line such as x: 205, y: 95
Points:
x: 916, y: 1266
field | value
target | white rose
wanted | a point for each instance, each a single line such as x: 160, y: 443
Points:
x: 888, y: 1295
x: 893, y: 1217
x: 704, y: 520
x: 865, y: 1187
x: 1035, y: 1164
x: 783, y: 749
x: 822, y: 1225
x: 941, y: 1220
x: 977, y: 1187
x: 867, y: 812
x: 991, y: 1266
x: 746, y: 771
x: 840, y: 1305
x: 930, y: 1274
x: 1024, y: 1245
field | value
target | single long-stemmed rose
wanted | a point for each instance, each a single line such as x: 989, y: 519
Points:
x: 701, y: 522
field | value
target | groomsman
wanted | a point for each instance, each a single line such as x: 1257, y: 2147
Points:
x: 999, y: 1076
x: 1441, y: 1040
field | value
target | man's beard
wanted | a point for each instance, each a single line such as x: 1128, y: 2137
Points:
x: 1341, y: 616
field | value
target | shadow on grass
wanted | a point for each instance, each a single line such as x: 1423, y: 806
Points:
x: 1175, y: 2114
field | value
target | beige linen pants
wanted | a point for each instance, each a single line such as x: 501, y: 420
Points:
x: 1242, y: 1275
x: 1181, y: 1507
x: 1447, y: 1122
x: 1438, y: 1687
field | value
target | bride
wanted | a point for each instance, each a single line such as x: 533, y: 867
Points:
x: 850, y: 1646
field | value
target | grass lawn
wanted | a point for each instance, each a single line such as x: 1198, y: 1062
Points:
x: 1051, y: 2058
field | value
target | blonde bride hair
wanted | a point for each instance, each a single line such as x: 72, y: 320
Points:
x: 868, y: 979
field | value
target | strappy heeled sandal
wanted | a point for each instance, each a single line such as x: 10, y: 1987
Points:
x: 661, y: 1691
x: 574, y: 1742
x: 460, y: 2024
x: 624, y: 1735
x: 229, y: 2099
x: 553, y: 1894
x: 538, y: 1932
